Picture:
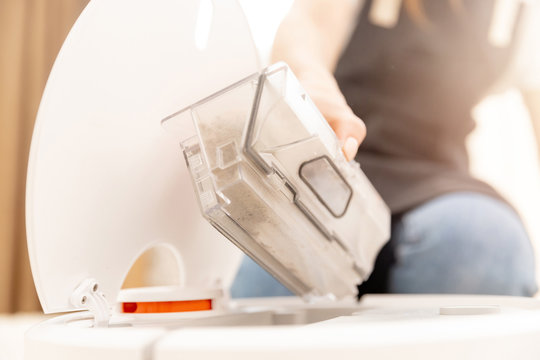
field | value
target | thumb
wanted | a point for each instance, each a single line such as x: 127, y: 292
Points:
x: 351, y: 131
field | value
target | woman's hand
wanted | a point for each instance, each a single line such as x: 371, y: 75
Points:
x: 322, y: 88
x: 310, y: 39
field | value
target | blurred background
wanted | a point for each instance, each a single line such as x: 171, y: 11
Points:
x: 503, y: 148
x: 31, y: 33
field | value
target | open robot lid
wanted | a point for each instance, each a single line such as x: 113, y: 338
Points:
x: 105, y: 182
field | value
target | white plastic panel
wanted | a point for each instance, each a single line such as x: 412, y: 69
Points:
x: 49, y: 341
x: 406, y: 327
x: 379, y: 327
x: 105, y: 181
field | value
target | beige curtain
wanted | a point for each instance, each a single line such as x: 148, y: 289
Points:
x: 31, y: 33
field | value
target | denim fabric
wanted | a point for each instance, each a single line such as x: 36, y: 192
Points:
x: 460, y: 243
x: 463, y: 243
x: 254, y: 281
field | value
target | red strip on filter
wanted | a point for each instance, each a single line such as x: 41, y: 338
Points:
x: 154, y: 307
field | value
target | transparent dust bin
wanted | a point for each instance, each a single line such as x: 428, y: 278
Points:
x: 270, y: 175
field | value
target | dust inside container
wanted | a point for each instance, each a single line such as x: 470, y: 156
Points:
x: 269, y: 174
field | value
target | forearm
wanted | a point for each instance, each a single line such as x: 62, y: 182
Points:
x: 313, y: 34
x: 532, y: 100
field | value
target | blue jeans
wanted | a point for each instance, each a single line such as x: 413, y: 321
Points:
x: 459, y: 243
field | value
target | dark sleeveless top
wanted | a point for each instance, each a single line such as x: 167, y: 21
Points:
x: 415, y: 89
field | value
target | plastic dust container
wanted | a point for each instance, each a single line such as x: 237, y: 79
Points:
x: 269, y: 174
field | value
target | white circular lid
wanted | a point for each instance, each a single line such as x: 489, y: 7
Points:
x: 105, y: 181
